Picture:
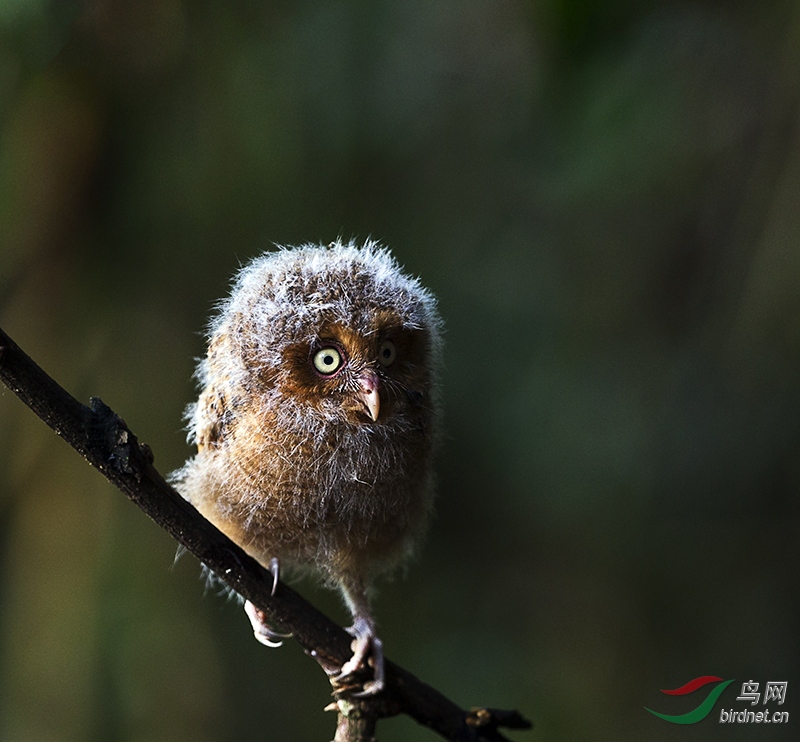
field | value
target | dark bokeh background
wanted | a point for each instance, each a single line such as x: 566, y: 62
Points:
x: 604, y: 196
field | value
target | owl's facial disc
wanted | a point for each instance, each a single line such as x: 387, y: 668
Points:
x: 368, y: 384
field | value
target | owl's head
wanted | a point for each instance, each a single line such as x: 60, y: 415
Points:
x: 339, y: 332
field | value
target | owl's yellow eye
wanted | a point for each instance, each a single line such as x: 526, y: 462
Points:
x: 328, y: 360
x: 387, y: 353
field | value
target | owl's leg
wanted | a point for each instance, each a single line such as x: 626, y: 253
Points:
x: 263, y: 632
x: 365, y: 643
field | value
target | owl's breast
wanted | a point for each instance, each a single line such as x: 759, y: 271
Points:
x: 333, y: 492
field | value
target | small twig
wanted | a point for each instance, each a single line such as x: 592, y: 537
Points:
x: 104, y: 440
x: 357, y: 721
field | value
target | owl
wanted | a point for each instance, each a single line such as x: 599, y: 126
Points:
x: 317, y: 421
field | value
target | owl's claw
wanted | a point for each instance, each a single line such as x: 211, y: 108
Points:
x: 365, y: 645
x: 263, y: 632
x: 275, y: 569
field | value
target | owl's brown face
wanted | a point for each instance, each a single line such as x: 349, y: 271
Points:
x: 369, y: 377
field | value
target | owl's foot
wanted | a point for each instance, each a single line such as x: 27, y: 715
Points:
x: 263, y: 632
x: 366, y: 646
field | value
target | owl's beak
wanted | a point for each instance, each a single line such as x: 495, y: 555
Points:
x: 368, y: 383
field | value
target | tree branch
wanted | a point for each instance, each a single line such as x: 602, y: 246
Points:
x: 104, y: 440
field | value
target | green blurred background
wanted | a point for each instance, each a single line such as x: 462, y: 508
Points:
x: 604, y: 196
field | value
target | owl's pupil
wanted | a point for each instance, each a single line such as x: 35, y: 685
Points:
x: 328, y: 360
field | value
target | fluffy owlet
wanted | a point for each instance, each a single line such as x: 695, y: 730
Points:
x: 317, y: 421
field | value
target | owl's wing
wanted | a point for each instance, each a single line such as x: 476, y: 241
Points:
x: 209, y: 419
x: 213, y: 408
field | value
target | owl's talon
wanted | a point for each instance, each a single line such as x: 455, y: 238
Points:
x: 262, y: 631
x: 275, y: 569
x: 365, y: 645
x: 370, y: 688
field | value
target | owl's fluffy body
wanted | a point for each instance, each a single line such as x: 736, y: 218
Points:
x: 289, y: 463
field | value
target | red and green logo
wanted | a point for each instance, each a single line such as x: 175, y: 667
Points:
x: 704, y: 709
